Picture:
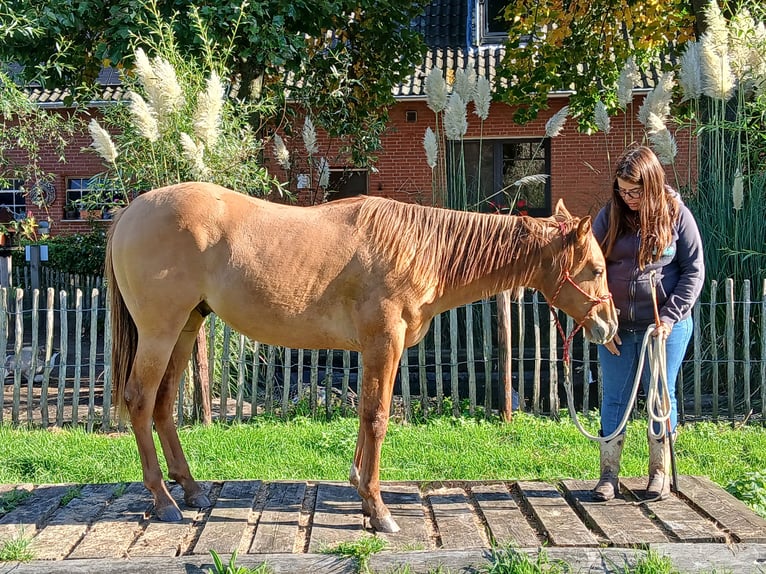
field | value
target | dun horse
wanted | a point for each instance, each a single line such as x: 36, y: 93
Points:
x: 364, y: 274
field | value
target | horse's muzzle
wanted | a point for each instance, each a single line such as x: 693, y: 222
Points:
x: 601, y: 327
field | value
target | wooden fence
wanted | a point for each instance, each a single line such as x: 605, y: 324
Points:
x: 456, y: 368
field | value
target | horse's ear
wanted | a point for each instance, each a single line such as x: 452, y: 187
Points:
x: 561, y: 210
x: 584, y: 227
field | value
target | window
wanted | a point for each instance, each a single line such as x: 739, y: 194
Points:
x: 90, y: 198
x: 491, y: 178
x: 347, y: 183
x: 13, y: 201
x: 492, y: 28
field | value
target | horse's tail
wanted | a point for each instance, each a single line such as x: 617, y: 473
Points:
x: 124, y: 332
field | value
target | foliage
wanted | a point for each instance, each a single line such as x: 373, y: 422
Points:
x: 79, y: 253
x: 360, y: 549
x: 232, y: 568
x: 17, y: 549
x: 331, y: 52
x: 513, y: 561
x: 11, y: 499
x: 580, y: 46
x: 751, y: 489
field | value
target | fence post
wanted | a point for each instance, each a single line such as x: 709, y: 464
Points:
x: 505, y: 354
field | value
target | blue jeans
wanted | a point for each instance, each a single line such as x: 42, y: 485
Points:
x: 619, y: 373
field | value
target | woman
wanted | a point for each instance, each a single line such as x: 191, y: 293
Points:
x: 651, y: 242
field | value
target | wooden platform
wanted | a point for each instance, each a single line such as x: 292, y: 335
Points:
x: 290, y: 526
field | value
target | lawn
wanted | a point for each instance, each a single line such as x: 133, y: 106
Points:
x: 440, y: 448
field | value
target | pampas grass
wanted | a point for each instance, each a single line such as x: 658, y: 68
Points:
x: 601, y: 117
x: 690, y: 72
x: 436, y: 90
x: 555, y: 124
x: 629, y: 78
x: 309, y: 137
x: 658, y: 100
x: 465, y: 84
x: 102, y: 142
x: 431, y: 145
x: 144, y: 117
x: 281, y: 153
x: 207, y: 119
x: 194, y: 154
x: 482, y: 99
x: 455, y: 120
x: 738, y: 190
x: 717, y: 77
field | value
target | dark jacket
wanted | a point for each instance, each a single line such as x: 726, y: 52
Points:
x: 680, y: 273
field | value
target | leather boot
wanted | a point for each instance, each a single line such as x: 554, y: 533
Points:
x: 658, y: 486
x: 608, y: 484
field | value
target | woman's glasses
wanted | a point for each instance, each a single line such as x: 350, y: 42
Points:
x: 632, y: 193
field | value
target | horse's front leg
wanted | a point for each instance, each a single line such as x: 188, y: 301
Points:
x: 380, y: 363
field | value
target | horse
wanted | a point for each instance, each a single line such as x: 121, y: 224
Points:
x: 365, y: 274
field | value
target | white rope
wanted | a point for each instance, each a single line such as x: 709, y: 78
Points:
x: 657, y: 402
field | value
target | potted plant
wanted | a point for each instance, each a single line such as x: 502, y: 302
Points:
x: 71, y: 210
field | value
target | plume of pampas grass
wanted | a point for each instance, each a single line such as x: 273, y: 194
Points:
x: 163, y: 92
x: 629, y: 78
x: 738, y: 191
x: 281, y: 153
x: 664, y: 145
x: 144, y: 117
x: 601, y: 117
x: 207, y: 119
x: 556, y: 122
x: 143, y: 67
x: 717, y: 77
x: 309, y: 136
x: 102, y: 142
x: 717, y: 31
x: 324, y: 173
x: 654, y: 123
x: 432, y: 148
x: 658, y: 100
x: 436, y: 90
x: 690, y: 73
x: 455, y: 120
x: 482, y: 99
x: 535, y: 178
x: 741, y: 35
x: 194, y: 155
x: 465, y: 84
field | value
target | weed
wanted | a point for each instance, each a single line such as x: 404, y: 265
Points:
x: 231, y: 568
x: 513, y: 561
x: 360, y: 549
x: 16, y: 549
x: 12, y: 499
x: 71, y: 494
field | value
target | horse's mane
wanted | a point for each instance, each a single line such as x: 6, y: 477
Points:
x: 454, y: 248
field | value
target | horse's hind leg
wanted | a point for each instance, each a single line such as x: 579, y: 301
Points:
x: 178, y: 468
x: 151, y: 358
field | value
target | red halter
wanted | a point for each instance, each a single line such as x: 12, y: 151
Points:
x: 567, y: 278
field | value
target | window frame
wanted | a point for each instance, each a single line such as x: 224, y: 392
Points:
x: 89, y: 184
x: 15, y: 186
x: 483, y: 34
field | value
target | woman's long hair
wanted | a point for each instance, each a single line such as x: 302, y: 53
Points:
x: 657, y: 212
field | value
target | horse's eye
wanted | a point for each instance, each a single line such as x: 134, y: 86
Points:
x: 598, y: 272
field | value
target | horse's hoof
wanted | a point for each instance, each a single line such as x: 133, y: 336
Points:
x: 169, y: 514
x: 198, y: 501
x: 385, y: 524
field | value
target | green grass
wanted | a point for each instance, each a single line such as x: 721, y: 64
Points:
x: 16, y: 549
x: 360, y: 550
x: 441, y: 448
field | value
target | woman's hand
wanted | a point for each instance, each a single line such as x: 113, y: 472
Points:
x: 663, y: 331
x: 611, y: 346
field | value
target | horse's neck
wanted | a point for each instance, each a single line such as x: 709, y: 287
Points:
x: 522, y: 267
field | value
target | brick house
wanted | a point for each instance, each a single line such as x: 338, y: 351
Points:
x: 459, y: 35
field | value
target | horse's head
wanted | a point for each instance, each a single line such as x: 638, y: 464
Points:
x: 576, y: 282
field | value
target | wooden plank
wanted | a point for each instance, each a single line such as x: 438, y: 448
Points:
x: 32, y: 512
x: 278, y: 525
x: 337, y: 516
x: 506, y: 521
x: 732, y: 514
x: 676, y: 516
x: 454, y: 519
x: 712, y: 558
x: 622, y: 522
x: 561, y: 524
x: 228, y: 520
x: 167, y: 538
x: 406, y: 507
x: 119, y: 525
x: 68, y: 524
